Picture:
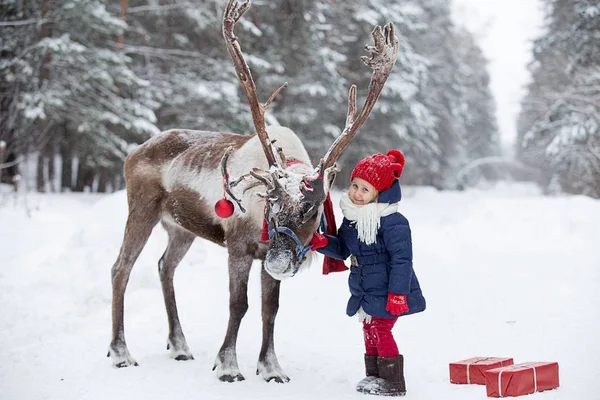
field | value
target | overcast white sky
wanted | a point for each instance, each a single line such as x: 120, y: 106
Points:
x: 505, y: 30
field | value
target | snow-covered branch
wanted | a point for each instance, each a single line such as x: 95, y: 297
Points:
x: 160, y: 53
x: 9, y: 164
x: 22, y: 22
x: 157, y: 8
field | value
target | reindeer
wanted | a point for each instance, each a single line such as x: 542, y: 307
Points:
x: 176, y: 176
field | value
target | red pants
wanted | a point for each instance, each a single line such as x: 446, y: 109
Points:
x: 379, y: 340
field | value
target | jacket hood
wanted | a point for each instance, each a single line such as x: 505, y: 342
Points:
x: 392, y: 195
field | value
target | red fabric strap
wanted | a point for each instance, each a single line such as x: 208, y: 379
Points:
x: 264, y: 234
x: 331, y: 264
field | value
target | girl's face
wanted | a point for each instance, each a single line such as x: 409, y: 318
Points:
x: 361, y: 192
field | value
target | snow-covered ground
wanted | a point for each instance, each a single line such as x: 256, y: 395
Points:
x: 505, y: 271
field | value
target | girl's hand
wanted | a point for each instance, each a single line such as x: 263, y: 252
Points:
x: 318, y: 240
x: 396, y: 304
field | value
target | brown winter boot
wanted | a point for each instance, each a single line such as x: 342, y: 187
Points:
x: 391, y: 378
x: 371, y: 371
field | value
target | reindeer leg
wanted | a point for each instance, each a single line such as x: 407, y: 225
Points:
x: 239, y: 271
x: 180, y: 242
x: 137, y: 231
x: 268, y: 366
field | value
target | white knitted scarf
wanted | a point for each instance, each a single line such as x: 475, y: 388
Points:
x: 367, y: 218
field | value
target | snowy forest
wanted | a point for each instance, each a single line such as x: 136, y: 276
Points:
x: 85, y: 81
x: 559, y: 123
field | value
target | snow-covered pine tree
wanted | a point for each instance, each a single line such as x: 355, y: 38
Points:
x: 442, y: 93
x: 178, y: 46
x: 18, y: 32
x: 79, y: 79
x: 399, y: 119
x: 565, y: 139
x: 477, y: 108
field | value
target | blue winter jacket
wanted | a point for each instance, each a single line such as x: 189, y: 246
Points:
x: 383, y: 267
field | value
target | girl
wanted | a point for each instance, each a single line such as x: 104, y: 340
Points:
x: 382, y: 281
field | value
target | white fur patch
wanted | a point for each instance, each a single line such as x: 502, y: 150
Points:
x: 208, y: 183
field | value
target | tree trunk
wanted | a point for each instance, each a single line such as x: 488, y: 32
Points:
x: 41, y: 180
x: 2, y: 149
x: 102, y: 180
x: 66, y: 153
x: 66, y: 174
x: 85, y: 175
x: 45, y: 32
x: 51, y: 166
x: 81, y: 168
x: 44, y: 75
x: 89, y: 178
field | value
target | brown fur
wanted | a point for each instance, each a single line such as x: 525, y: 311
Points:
x: 194, y: 215
x: 186, y: 216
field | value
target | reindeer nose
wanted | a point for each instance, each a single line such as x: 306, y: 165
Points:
x: 280, y: 261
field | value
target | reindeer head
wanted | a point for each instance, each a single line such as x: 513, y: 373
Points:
x: 293, y: 212
x: 295, y: 194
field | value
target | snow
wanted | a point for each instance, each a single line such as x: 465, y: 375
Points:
x: 506, y: 272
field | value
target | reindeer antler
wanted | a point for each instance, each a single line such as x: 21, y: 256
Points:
x: 227, y: 184
x: 382, y: 57
x: 233, y: 12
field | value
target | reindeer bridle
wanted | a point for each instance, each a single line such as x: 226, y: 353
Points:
x: 301, y: 250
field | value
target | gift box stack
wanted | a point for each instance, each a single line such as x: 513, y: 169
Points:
x: 502, y: 377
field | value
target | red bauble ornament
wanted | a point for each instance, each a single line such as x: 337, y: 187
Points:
x: 224, y: 208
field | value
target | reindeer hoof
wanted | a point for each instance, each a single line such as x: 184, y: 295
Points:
x: 227, y: 368
x: 232, y: 378
x: 126, y: 363
x: 179, y: 349
x: 271, y: 371
x: 121, y: 357
x: 279, y: 379
x: 184, y: 357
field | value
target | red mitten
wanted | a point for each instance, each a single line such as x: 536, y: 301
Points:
x: 318, y: 240
x: 396, y: 304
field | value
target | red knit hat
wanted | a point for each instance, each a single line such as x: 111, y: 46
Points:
x: 380, y: 170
